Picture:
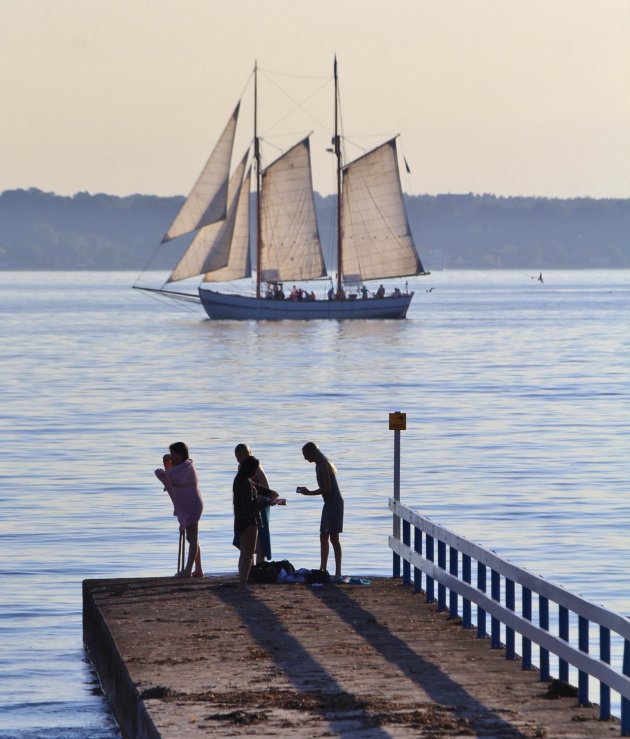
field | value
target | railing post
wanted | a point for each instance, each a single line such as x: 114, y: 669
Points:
x: 431, y: 558
x: 417, y: 545
x: 583, y: 647
x: 453, y: 555
x: 441, y: 565
x: 397, y: 422
x: 481, y: 614
x: 526, y: 660
x: 563, y: 632
x: 604, y: 690
x: 510, y: 602
x: 495, y: 624
x: 625, y: 702
x: 406, y: 527
x: 543, y: 622
x: 466, y: 577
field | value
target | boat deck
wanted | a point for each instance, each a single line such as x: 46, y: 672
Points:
x: 197, y: 658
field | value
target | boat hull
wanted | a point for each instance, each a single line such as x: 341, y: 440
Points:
x: 226, y: 306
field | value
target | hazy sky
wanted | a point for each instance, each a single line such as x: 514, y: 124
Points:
x: 513, y: 97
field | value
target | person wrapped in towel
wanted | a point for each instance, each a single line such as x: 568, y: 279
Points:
x: 182, y: 485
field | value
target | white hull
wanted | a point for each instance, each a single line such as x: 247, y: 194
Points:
x: 225, y: 306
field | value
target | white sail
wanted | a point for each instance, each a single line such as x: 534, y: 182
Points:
x: 210, y: 249
x: 207, y: 202
x: 290, y: 246
x: 376, y: 238
x: 239, y: 263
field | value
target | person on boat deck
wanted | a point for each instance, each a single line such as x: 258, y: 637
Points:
x: 332, y: 513
x: 341, y: 294
x: 182, y: 484
x: 312, y: 295
x: 364, y: 292
x: 331, y: 293
x: 247, y: 505
x: 263, y: 543
x: 380, y: 293
x: 396, y: 293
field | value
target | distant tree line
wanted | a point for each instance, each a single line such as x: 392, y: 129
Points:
x: 40, y: 230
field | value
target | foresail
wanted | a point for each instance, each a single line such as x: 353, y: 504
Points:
x: 210, y: 249
x: 290, y: 245
x: 376, y: 238
x: 207, y: 202
x: 239, y: 263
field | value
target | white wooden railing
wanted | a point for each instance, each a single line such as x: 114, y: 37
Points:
x: 457, y: 593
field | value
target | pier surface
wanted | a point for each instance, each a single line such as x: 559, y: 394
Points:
x: 197, y: 658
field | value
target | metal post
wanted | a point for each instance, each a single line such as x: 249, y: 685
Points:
x: 396, y: 498
x: 397, y: 423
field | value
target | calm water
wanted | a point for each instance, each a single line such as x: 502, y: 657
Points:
x: 518, y: 403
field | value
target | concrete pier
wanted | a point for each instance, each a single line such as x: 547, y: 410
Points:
x: 197, y: 658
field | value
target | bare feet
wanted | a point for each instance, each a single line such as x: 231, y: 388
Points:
x: 182, y: 573
x: 198, y: 573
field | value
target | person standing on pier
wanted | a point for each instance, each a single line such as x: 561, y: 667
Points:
x: 248, y: 503
x: 332, y: 512
x: 182, y: 485
x: 263, y: 543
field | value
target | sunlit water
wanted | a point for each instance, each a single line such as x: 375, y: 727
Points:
x: 518, y: 403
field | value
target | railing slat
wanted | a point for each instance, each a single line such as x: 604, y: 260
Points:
x: 417, y: 545
x: 430, y: 583
x: 583, y: 646
x: 510, y: 602
x: 481, y: 614
x: 406, y: 537
x: 453, y: 565
x: 526, y: 660
x: 495, y: 624
x: 543, y: 622
x: 604, y: 690
x: 442, y: 564
x: 467, y: 577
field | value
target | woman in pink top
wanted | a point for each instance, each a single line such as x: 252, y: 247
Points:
x: 182, y: 485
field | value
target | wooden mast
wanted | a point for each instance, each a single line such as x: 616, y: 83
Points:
x: 337, y: 147
x: 258, y: 178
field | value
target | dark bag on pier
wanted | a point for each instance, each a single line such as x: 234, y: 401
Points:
x: 269, y: 571
x: 318, y: 576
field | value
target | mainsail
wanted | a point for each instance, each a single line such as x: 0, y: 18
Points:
x: 210, y: 249
x: 376, y: 238
x: 207, y: 202
x: 290, y: 245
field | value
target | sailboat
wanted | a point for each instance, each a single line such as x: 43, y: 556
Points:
x: 374, y: 241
